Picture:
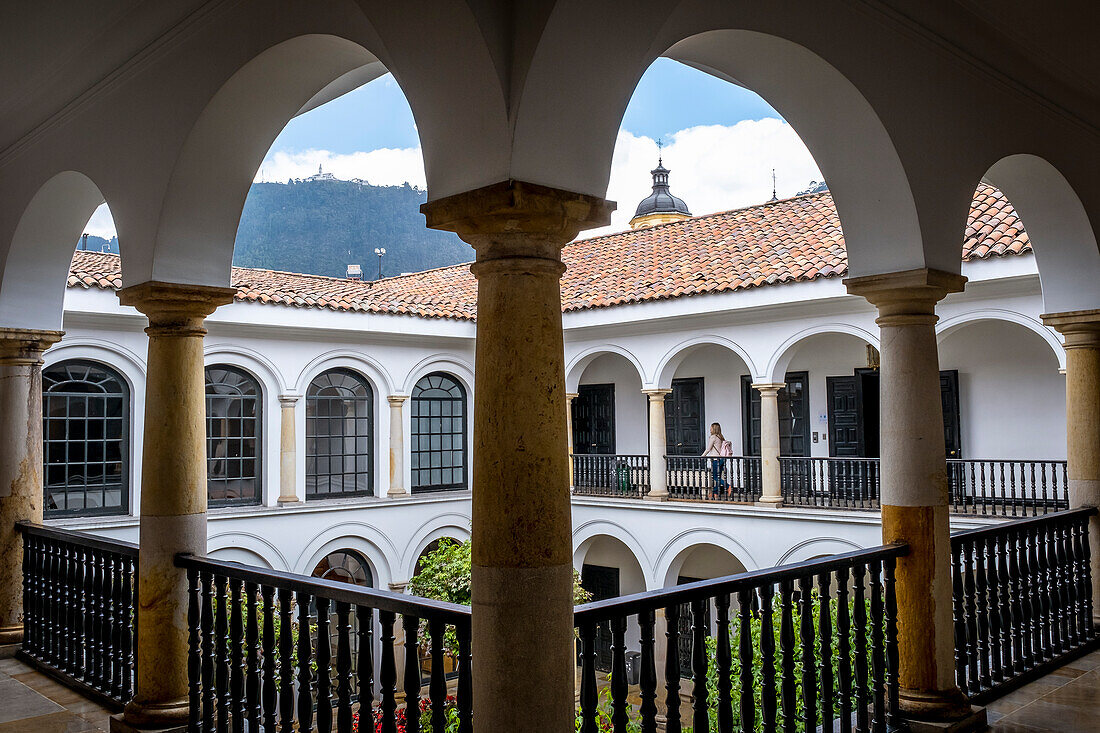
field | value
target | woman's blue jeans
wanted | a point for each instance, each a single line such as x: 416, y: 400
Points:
x: 717, y: 472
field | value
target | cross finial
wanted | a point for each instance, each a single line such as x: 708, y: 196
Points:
x: 774, y: 197
x: 660, y: 147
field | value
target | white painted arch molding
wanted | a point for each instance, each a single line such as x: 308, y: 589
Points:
x: 574, y: 370
x: 585, y: 534
x: 951, y: 325
x: 671, y: 360
x: 672, y: 555
x: 777, y: 364
x: 359, y: 362
x: 452, y: 524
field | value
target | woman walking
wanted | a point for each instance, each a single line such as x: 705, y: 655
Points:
x: 718, y: 448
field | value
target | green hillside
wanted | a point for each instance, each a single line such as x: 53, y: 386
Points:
x: 321, y: 227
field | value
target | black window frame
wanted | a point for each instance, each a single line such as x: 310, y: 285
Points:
x: 750, y: 416
x: 66, y: 443
x: 417, y: 435
x: 315, y: 458
x: 257, y: 398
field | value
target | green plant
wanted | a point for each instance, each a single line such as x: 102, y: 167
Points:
x: 603, y: 713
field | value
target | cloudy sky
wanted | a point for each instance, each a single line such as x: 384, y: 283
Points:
x: 721, y: 143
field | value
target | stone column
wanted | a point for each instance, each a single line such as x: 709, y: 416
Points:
x: 288, y: 450
x: 397, y: 446
x: 658, y: 445
x: 1081, y: 330
x: 770, y: 476
x: 914, y: 485
x: 20, y: 462
x: 522, y: 549
x: 173, y: 493
x: 569, y: 397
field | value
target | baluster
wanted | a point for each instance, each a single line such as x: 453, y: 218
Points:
x: 221, y: 653
x: 989, y: 497
x: 892, y: 706
x: 209, y: 652
x: 860, y: 619
x: 112, y: 639
x: 957, y: 595
x: 786, y: 648
x: 994, y: 584
x: 365, y: 618
x: 194, y: 651
x: 98, y: 648
x: 589, y: 697
x: 286, y: 662
x: 305, y: 673
x: 1057, y: 559
x: 343, y: 667
x: 465, y: 679
x: 1042, y: 483
x: 809, y: 665
x: 878, y: 652
x: 29, y: 619
x: 1086, y: 579
x: 1021, y: 604
x: 74, y: 582
x: 1081, y: 617
x: 269, y: 690
x: 767, y: 658
x: 648, y: 678
x: 88, y: 640
x: 252, y: 670
x: 437, y: 687
x: 672, y: 668
x: 324, y: 667
x: 981, y: 611
x: 66, y: 605
x: 48, y: 583
x: 844, y: 644
x: 723, y: 661
x: 825, y: 649
x: 129, y: 578
x: 236, y: 656
x: 973, y: 642
x: 387, y: 674
x: 1039, y: 600
x: 618, y: 674
x: 700, y: 719
x: 411, y: 626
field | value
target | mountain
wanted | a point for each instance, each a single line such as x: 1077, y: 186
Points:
x: 99, y: 244
x: 814, y: 187
x: 322, y: 225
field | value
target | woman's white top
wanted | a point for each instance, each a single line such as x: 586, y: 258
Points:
x: 714, y: 446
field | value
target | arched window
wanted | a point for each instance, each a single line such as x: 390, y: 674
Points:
x: 438, y: 434
x: 346, y: 566
x: 339, y: 435
x: 86, y: 430
x: 233, y: 430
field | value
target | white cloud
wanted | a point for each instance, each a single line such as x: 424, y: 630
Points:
x: 714, y: 167
x: 102, y: 224
x: 381, y: 167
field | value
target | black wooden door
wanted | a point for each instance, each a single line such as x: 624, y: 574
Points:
x: 603, y: 583
x: 867, y: 386
x: 794, y: 416
x: 843, y: 399
x: 685, y: 428
x: 594, y: 419
x: 952, y: 428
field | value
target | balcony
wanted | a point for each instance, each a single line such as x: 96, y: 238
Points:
x: 793, y: 646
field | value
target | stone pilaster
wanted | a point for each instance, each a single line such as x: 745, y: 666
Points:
x: 658, y: 445
x: 397, y: 445
x: 914, y: 485
x: 20, y: 462
x: 770, y: 475
x: 288, y: 450
x: 522, y: 550
x: 1081, y: 331
x: 173, y: 493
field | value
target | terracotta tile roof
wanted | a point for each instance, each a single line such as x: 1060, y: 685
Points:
x: 793, y: 240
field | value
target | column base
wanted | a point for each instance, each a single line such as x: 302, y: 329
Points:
x: 397, y: 493
x: 285, y: 502
x: 11, y: 635
x: 769, y: 502
x: 935, y: 706
x: 7, y: 651
x: 655, y: 497
x: 975, y: 721
x: 167, y: 717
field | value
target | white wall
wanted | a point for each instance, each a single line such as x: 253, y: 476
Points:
x: 631, y: 432
x: 1012, y: 397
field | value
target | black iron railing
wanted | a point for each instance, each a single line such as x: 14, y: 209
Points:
x: 78, y: 608
x: 610, y: 474
x: 276, y: 649
x: 1023, y: 600
x: 842, y: 483
x: 726, y: 478
x: 1007, y: 488
x: 797, y: 620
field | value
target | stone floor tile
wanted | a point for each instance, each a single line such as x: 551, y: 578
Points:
x: 1003, y: 726
x: 62, y: 722
x: 13, y: 666
x: 1069, y: 717
x: 50, y: 687
x: 20, y: 701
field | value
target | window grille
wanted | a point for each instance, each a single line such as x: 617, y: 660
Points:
x: 233, y: 432
x: 339, y: 436
x: 438, y: 425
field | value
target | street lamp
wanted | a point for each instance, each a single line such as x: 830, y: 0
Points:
x: 380, y: 251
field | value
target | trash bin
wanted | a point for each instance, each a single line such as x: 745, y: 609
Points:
x: 633, y: 668
x: 622, y: 479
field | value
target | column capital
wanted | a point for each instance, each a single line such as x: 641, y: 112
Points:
x: 768, y: 388
x: 24, y: 345
x: 399, y: 587
x: 173, y: 308
x: 517, y: 219
x: 1080, y: 329
x: 906, y: 297
x: 397, y: 399
x: 572, y: 395
x: 289, y: 399
x: 654, y: 394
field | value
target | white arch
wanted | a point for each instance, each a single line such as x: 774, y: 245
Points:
x: 691, y: 537
x: 676, y: 564
x: 357, y: 361
x: 574, y: 370
x: 442, y: 362
x: 451, y: 524
x: 777, y: 364
x: 1058, y: 227
x: 366, y: 539
x: 585, y: 534
x: 252, y: 361
x: 815, y: 547
x: 666, y: 367
x: 949, y: 325
x: 251, y: 542
x: 33, y: 275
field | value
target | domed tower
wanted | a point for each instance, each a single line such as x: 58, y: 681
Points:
x: 659, y: 207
